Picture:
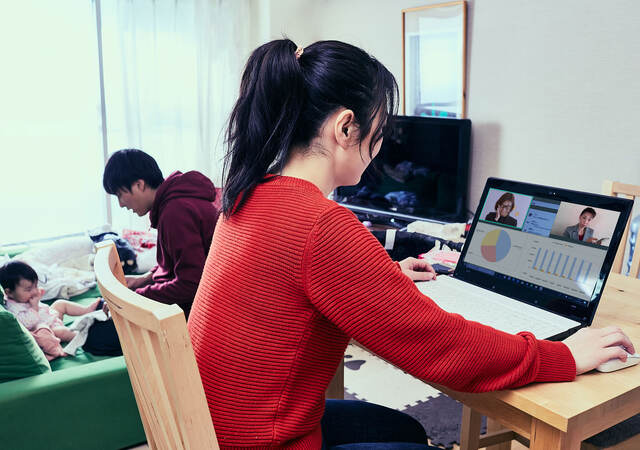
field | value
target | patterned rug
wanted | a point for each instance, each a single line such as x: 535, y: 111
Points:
x: 368, y: 378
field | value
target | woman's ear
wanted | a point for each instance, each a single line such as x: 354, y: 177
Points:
x: 345, y: 128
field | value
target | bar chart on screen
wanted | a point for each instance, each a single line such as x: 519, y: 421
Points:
x: 562, y: 264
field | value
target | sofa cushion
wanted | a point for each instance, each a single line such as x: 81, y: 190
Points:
x: 89, y: 407
x: 81, y: 358
x: 21, y: 356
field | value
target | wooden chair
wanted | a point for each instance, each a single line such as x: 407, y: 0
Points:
x: 631, y: 191
x: 160, y: 361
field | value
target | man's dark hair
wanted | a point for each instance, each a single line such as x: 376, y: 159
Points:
x: 127, y: 166
x: 590, y: 211
x: 12, y: 272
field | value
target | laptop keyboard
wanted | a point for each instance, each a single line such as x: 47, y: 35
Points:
x: 496, y: 310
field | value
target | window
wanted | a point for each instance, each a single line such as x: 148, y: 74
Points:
x: 49, y: 121
x: 170, y: 70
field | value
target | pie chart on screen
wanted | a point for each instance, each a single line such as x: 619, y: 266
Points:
x: 495, y: 245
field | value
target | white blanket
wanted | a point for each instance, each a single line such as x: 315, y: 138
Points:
x: 64, y: 267
x: 81, y: 325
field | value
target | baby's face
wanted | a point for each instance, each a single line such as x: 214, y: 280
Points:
x: 25, y: 291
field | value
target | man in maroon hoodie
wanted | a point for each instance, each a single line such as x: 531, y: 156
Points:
x: 181, y: 209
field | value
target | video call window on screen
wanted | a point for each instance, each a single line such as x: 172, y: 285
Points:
x: 550, y: 218
x: 506, y: 208
x: 584, y: 224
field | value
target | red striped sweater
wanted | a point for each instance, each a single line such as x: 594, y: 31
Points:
x: 289, y: 279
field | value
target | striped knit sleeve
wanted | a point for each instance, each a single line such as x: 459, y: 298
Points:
x: 352, y: 281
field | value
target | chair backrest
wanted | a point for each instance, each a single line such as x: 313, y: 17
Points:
x: 160, y: 361
x: 631, y: 191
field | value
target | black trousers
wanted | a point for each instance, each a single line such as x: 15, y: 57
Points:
x: 102, y: 339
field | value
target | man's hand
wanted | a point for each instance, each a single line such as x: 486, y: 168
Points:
x: 137, y: 281
x: 417, y: 269
x: 591, y: 347
x: 105, y: 308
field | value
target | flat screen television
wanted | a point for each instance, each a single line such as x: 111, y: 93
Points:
x: 421, y: 173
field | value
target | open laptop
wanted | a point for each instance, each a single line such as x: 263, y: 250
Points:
x: 523, y: 266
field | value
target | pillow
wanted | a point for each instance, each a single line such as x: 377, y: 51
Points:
x: 21, y: 356
x: 58, y: 251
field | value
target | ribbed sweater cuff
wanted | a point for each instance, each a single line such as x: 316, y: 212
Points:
x: 556, y: 362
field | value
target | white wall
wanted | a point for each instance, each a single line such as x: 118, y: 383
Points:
x: 553, y: 90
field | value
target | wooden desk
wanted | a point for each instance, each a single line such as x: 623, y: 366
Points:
x: 562, y: 415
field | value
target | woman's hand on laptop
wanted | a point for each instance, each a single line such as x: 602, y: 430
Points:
x: 591, y: 347
x: 417, y: 269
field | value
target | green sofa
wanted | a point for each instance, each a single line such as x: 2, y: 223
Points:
x: 82, y: 402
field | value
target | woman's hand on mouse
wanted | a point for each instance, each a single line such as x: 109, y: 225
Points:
x: 591, y: 347
x: 417, y: 269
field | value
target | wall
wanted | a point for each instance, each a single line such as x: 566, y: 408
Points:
x: 552, y: 86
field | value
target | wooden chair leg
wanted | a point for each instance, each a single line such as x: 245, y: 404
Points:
x: 493, y: 426
x: 470, y: 431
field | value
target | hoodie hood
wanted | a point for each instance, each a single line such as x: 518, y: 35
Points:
x: 191, y: 184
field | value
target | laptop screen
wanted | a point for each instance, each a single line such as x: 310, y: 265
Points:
x: 542, y: 245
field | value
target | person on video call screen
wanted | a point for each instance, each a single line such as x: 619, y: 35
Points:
x: 581, y: 231
x: 503, y: 208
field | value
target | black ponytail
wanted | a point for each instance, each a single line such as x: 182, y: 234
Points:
x: 284, y: 100
x: 263, y: 119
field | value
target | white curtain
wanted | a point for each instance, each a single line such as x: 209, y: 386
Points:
x: 50, y: 142
x: 172, y: 72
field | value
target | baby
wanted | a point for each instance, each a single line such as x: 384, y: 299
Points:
x: 22, y: 298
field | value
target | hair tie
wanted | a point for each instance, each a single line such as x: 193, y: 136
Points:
x: 299, y: 52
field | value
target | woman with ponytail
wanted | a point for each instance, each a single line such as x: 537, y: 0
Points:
x: 292, y: 276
